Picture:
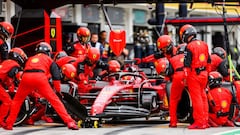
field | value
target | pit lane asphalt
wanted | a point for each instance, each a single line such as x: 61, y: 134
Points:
x: 135, y: 127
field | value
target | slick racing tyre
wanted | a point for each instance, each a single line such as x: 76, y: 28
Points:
x: 24, y: 111
x: 184, y: 110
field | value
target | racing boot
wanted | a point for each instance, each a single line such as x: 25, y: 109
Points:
x: 29, y: 121
x: 72, y: 125
x: 206, y: 124
x: 212, y: 123
x: 173, y: 124
x: 47, y: 119
x: 197, y: 126
x: 2, y: 124
x: 7, y: 127
x: 229, y: 124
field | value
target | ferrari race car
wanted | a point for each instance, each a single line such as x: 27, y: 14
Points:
x: 126, y: 95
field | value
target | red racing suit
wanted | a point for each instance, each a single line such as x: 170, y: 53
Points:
x: 84, y: 71
x: 176, y: 62
x: 159, y: 55
x: 35, y: 77
x: 78, y: 50
x: 8, y: 70
x: 197, y: 64
x: 65, y: 60
x: 219, y: 106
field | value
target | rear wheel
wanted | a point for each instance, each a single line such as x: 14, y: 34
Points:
x: 184, y: 110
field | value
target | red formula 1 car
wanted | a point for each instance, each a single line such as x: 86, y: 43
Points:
x: 126, y: 95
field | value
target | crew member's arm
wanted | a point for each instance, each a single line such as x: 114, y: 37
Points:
x: 187, y: 61
x: 55, y: 72
x: 4, y: 51
x: 80, y: 73
x: 223, y: 69
x: 150, y: 58
x: 69, y: 48
x: 11, y: 79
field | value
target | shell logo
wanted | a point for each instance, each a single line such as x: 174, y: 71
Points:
x: 72, y: 74
x: 79, y: 52
x: 224, y: 104
x: 35, y: 60
x: 158, y: 44
x: 94, y: 56
x: 202, y: 57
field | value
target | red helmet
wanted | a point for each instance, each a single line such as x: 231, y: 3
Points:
x: 6, y: 29
x: 165, y: 43
x: 69, y: 71
x: 220, y: 52
x: 44, y: 47
x: 214, y: 79
x: 187, y: 31
x: 83, y: 32
x: 93, y: 56
x: 18, y: 55
x: 161, y: 65
x: 59, y: 55
x: 114, y: 66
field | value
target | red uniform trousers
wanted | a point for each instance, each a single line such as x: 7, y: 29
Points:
x: 196, y: 86
x: 39, y: 82
x: 6, y: 103
x: 175, y: 94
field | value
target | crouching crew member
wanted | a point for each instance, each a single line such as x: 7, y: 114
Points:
x: 8, y: 71
x: 35, y: 77
x: 219, y: 101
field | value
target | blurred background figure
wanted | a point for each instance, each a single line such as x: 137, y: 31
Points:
x: 94, y: 42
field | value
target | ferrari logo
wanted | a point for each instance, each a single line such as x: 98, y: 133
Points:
x: 224, y: 104
x: 35, y: 60
x: 168, y: 41
x: 117, y: 31
x: 202, y: 57
x: 53, y: 32
x: 87, y: 32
